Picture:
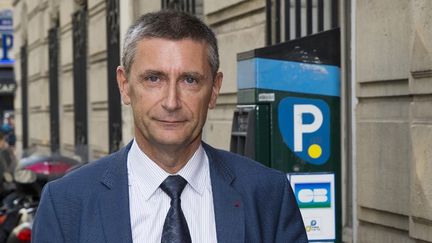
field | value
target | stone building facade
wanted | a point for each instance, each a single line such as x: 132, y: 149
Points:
x: 386, y: 95
x: 33, y: 19
x: 393, y: 78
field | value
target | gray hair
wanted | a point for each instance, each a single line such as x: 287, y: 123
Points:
x: 172, y: 25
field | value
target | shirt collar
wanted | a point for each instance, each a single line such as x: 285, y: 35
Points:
x: 148, y: 176
x: 196, y: 170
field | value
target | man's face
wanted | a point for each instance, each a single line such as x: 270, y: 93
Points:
x: 170, y: 88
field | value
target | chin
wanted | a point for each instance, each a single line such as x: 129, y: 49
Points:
x: 165, y: 139
x: 171, y: 144
x: 175, y: 141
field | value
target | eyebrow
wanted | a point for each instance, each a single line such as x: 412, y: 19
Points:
x: 193, y: 74
x: 146, y: 73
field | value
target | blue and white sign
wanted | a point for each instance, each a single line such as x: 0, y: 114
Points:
x: 6, y: 35
x: 305, y: 128
x: 298, y: 77
x: 315, y: 194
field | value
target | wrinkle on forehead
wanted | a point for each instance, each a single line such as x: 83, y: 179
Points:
x: 172, y: 56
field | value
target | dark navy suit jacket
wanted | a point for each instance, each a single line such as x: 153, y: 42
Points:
x: 252, y: 203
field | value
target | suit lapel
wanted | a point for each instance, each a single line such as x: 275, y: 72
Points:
x: 228, y: 205
x: 114, y: 201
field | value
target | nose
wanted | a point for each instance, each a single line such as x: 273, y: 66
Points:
x: 171, y: 100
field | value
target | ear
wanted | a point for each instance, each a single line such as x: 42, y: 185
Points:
x: 123, y: 84
x: 217, y: 83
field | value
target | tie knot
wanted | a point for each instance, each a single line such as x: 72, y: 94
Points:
x: 173, y: 186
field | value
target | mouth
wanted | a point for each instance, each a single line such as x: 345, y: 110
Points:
x: 168, y: 122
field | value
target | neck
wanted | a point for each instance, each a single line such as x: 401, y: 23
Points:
x: 171, y: 158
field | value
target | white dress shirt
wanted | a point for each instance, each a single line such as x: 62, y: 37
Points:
x: 149, y: 205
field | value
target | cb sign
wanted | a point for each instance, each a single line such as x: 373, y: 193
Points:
x: 305, y: 127
x: 313, y: 195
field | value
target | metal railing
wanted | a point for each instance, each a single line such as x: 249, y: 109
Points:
x: 292, y: 19
x: 194, y: 7
x: 180, y: 5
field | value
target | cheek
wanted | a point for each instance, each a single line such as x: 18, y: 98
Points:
x: 138, y: 103
x: 200, y: 107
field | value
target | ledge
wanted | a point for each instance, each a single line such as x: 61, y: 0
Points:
x: 67, y: 67
x: 99, y: 106
x: 226, y: 99
x: 97, y: 57
x: 388, y: 219
x: 383, y: 88
x: 68, y: 108
x: 96, y: 9
x: 421, y: 228
x: 421, y: 74
x: 234, y: 11
x: 37, y: 77
x: 66, y: 28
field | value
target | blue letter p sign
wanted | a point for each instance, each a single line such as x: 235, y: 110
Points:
x: 305, y: 127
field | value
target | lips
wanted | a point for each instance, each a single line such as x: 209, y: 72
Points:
x: 170, y: 122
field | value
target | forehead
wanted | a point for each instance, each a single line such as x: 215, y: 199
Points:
x: 161, y: 46
x: 165, y: 53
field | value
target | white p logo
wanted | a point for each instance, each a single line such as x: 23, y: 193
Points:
x: 300, y: 128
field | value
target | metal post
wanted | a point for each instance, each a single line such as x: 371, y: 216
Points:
x: 24, y: 96
x: 53, y: 53
x: 320, y: 15
x: 277, y: 21
x: 335, y: 13
x: 113, y: 60
x: 268, y: 22
x: 298, y: 18
x: 287, y: 13
x: 309, y: 17
x: 79, y: 26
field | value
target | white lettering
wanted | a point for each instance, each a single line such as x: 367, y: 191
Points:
x: 305, y: 195
x: 300, y: 128
x: 320, y: 195
x: 316, y: 195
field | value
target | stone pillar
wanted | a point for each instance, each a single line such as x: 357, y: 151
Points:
x: 420, y: 224
x: 394, y: 120
x: 383, y: 124
x: 97, y: 79
x: 37, y: 44
x: 67, y: 131
x: 20, y: 36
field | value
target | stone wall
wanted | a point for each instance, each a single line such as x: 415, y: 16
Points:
x: 394, y: 90
x: 420, y: 82
x: 239, y: 25
x: 34, y: 16
x: 32, y: 20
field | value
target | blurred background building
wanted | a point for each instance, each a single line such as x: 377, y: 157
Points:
x: 67, y: 101
x: 7, y: 79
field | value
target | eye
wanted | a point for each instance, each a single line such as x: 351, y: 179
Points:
x: 152, y: 78
x: 190, y: 80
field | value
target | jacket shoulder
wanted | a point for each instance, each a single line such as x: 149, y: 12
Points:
x: 88, y: 177
x: 244, y: 168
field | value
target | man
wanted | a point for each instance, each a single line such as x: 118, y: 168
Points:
x: 7, y: 166
x: 8, y: 128
x: 167, y: 185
